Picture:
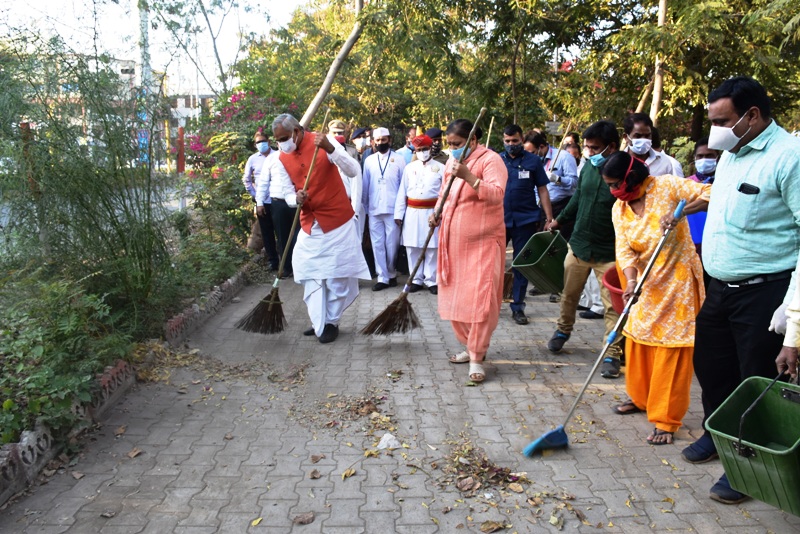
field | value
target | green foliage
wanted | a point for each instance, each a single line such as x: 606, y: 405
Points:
x: 90, y: 200
x: 54, y: 338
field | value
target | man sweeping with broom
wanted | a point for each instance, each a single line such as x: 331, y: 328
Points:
x: 327, y: 258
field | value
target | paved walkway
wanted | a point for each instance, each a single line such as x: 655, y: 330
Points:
x: 229, y: 437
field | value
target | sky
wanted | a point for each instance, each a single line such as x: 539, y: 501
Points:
x: 118, y: 31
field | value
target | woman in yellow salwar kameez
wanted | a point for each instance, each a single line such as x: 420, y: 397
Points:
x: 660, y: 328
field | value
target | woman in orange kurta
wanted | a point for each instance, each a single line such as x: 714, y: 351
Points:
x: 472, y: 245
x: 660, y: 329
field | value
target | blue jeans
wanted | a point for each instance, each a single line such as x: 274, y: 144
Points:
x: 519, y: 237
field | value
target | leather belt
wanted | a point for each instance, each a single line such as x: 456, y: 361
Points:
x: 761, y: 278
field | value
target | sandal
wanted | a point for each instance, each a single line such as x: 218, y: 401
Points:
x: 476, y: 372
x: 461, y: 357
x: 626, y: 408
x: 658, y: 433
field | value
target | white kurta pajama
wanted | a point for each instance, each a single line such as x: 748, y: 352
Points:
x: 419, y: 188
x: 382, y: 175
x: 329, y: 264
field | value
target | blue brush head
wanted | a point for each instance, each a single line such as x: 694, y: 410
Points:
x: 555, y: 439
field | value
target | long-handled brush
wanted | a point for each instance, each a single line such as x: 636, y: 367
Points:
x: 399, y: 315
x: 267, y: 317
x: 557, y: 438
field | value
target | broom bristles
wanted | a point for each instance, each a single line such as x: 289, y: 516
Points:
x: 266, y: 318
x: 397, y: 318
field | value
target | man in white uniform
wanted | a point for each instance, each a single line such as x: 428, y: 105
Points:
x: 327, y: 257
x: 416, y: 200
x: 382, y: 173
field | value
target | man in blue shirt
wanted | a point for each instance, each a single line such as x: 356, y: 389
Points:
x: 750, y: 247
x: 523, y: 216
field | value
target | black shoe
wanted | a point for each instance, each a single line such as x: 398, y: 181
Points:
x: 589, y: 314
x: 380, y: 286
x: 519, y: 317
x: 582, y: 308
x: 434, y: 290
x: 413, y: 288
x: 701, y: 451
x: 272, y: 267
x: 724, y: 493
x: 287, y: 274
x: 329, y: 334
x: 535, y: 291
x: 555, y: 297
x: 556, y: 342
x: 392, y: 282
x: 309, y: 332
x: 610, y: 368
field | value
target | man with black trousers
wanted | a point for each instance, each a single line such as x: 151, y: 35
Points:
x: 523, y: 217
x: 750, y: 249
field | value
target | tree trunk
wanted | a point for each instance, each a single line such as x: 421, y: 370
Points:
x: 698, y: 116
x: 645, y: 95
x: 658, y: 77
x: 222, y: 76
x: 514, y: 74
x: 334, y: 68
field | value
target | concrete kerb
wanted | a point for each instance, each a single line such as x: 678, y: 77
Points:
x: 21, y: 463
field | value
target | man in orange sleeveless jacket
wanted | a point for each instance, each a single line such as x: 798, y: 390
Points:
x: 327, y: 258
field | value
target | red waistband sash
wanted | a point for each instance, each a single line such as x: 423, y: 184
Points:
x: 422, y: 203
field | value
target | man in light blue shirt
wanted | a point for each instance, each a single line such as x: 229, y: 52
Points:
x: 750, y: 249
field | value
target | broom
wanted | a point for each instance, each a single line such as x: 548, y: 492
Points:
x: 267, y: 317
x: 399, y: 316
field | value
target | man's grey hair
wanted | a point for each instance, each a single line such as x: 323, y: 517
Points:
x: 287, y: 121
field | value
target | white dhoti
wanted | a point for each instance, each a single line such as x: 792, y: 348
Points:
x: 385, y: 236
x: 329, y: 266
x: 590, y: 297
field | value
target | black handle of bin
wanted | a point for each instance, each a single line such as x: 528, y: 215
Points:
x: 747, y: 451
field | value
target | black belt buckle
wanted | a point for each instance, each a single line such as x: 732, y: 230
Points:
x: 748, y: 282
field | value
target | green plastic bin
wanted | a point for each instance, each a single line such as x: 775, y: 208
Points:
x: 542, y: 261
x: 767, y: 464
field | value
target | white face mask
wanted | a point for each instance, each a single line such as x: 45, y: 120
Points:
x: 424, y: 155
x: 641, y: 146
x: 722, y: 138
x: 287, y: 146
x: 360, y: 143
x: 706, y: 166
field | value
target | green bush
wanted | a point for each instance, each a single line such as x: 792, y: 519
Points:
x: 54, y: 338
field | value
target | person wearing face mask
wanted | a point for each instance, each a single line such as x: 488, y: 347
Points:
x: 523, y: 217
x: 416, y: 199
x: 407, y: 152
x: 472, y: 253
x: 591, y: 246
x: 383, y: 171
x: 705, y: 163
x: 361, y: 142
x: 326, y: 260
x: 750, y: 250
x: 252, y: 172
x: 639, y: 138
x: 562, y: 173
x: 337, y: 129
x: 437, y: 154
x: 659, y: 332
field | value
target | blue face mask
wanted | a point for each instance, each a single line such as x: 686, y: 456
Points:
x: 262, y: 147
x: 598, y: 159
x: 456, y: 152
x: 514, y: 150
